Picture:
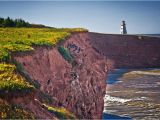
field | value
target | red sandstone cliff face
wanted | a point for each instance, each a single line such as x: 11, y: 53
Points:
x: 80, y: 88
x: 82, y: 94
x: 127, y: 51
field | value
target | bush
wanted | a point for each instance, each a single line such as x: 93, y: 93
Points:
x: 45, y: 98
x: 65, y: 53
x: 60, y: 113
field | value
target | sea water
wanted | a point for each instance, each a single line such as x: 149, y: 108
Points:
x: 132, y: 96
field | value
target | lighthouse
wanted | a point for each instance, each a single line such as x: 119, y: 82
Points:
x: 123, y: 29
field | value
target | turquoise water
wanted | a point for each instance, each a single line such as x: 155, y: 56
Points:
x: 135, y: 96
x: 113, y: 76
x: 111, y: 116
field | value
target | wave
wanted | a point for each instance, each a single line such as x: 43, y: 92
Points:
x: 115, y: 99
x: 109, y: 98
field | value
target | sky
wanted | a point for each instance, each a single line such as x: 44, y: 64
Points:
x: 142, y: 17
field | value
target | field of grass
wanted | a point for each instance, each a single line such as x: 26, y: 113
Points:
x: 22, y: 39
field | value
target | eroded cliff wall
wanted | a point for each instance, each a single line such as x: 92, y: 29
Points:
x: 128, y: 51
x: 79, y: 87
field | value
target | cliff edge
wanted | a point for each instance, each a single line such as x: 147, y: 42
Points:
x: 77, y: 83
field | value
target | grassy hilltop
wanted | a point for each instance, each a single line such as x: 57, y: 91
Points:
x: 22, y: 39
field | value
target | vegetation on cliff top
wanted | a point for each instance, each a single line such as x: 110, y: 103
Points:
x: 22, y: 39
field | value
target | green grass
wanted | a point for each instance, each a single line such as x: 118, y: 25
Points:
x: 8, y: 111
x: 22, y: 39
x: 60, y: 113
x: 11, y: 81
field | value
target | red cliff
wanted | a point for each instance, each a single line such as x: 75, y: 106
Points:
x: 128, y: 51
x: 80, y: 85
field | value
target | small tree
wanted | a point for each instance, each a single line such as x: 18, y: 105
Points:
x: 9, y: 22
x: 1, y: 22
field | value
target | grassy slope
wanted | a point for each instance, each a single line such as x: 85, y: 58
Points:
x: 61, y: 113
x: 11, y: 81
x: 22, y: 39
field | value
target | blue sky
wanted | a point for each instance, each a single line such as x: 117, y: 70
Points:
x: 97, y: 16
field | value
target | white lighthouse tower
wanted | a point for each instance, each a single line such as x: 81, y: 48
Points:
x: 123, y: 29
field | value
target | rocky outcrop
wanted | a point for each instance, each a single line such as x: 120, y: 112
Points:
x: 128, y: 51
x: 79, y: 87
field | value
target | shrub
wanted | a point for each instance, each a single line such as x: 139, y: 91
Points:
x: 45, y: 98
x: 60, y: 113
x: 65, y: 53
